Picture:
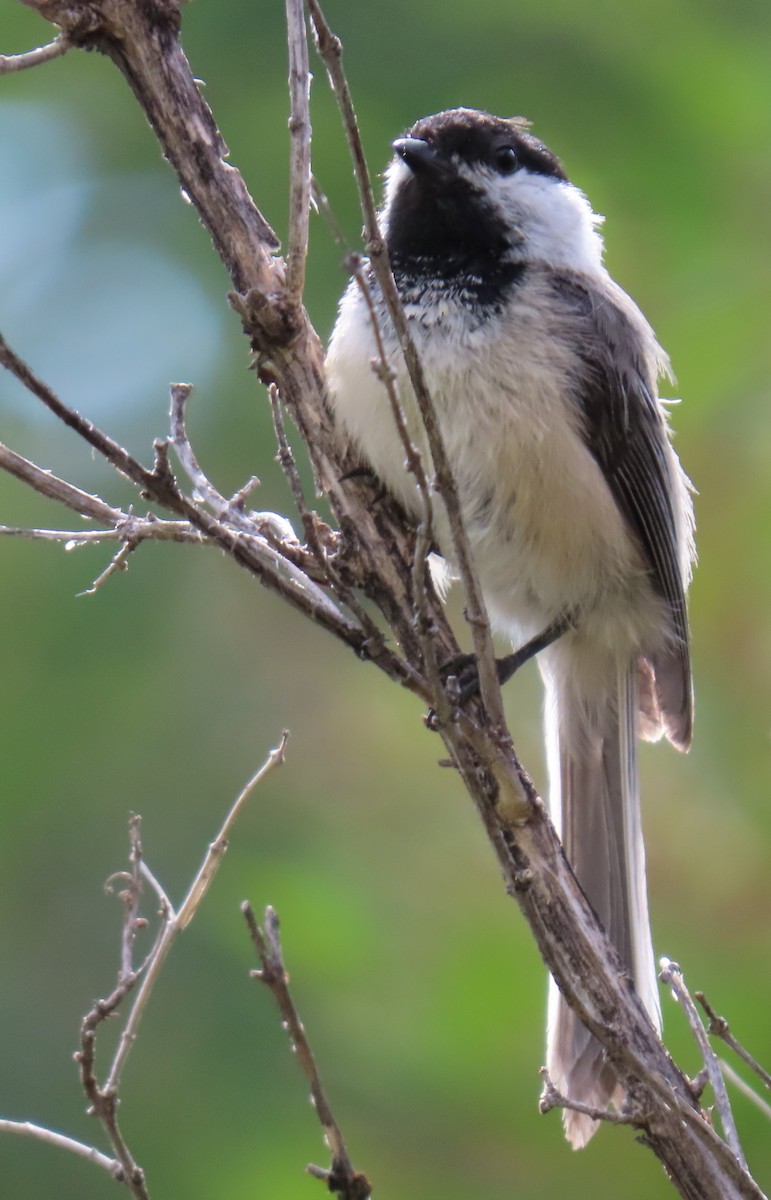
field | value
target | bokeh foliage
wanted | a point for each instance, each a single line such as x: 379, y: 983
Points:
x: 415, y: 975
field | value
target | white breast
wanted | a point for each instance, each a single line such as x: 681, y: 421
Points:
x: 544, y: 528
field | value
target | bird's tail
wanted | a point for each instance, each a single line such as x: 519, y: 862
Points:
x: 595, y: 804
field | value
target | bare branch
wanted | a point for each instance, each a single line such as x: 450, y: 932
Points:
x: 745, y: 1088
x: 286, y: 461
x: 180, y: 920
x: 672, y: 975
x: 131, y: 898
x: 103, y: 1101
x: 322, y: 541
x: 300, y: 158
x: 551, y: 1098
x: 217, y: 849
x: 119, y: 562
x: 35, y: 58
x: 204, y: 489
x: 57, y: 489
x: 166, y: 907
x: 276, y: 570
x: 719, y: 1027
x: 330, y: 50
x: 63, y: 1142
x: 104, y: 445
x: 135, y: 529
x: 342, y: 1179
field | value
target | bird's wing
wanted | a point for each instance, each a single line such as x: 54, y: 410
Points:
x: 625, y: 430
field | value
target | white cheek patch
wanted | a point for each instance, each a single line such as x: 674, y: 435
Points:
x: 554, y: 218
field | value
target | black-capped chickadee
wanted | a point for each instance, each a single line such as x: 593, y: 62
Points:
x: 544, y: 376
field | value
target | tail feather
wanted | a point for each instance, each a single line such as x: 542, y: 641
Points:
x: 594, y: 799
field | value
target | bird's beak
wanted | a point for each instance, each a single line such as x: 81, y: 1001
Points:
x: 422, y: 158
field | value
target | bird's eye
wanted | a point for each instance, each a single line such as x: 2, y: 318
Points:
x: 505, y: 160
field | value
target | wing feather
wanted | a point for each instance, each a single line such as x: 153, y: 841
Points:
x: 626, y: 431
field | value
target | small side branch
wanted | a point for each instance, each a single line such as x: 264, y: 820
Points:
x: 35, y: 58
x: 54, y: 488
x: 63, y: 1142
x: 341, y: 1179
x: 176, y: 921
x: 672, y: 976
x: 551, y: 1098
x: 719, y: 1027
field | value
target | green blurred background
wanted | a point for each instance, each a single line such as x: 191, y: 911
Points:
x: 414, y: 973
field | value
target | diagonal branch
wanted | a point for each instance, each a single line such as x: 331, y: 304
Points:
x: 119, y: 458
x: 62, y: 1142
x: 342, y: 1179
x: 58, y: 489
x: 331, y: 51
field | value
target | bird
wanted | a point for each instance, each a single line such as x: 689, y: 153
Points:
x: 544, y: 375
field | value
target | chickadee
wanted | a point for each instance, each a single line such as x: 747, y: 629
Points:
x: 544, y: 376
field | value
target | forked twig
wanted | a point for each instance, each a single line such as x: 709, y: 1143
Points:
x: 177, y: 921
x: 719, y: 1027
x: 120, y: 459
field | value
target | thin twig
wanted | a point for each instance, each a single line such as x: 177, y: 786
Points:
x: 134, y: 529
x: 745, y: 1088
x: 238, y: 500
x: 414, y: 462
x: 54, y: 488
x: 286, y: 461
x: 132, y: 897
x: 103, y: 1101
x: 305, y: 588
x: 118, y: 562
x: 312, y: 525
x: 342, y: 1179
x: 719, y: 1027
x: 202, y: 487
x: 63, y: 1142
x: 125, y: 463
x: 672, y: 975
x: 300, y: 154
x: 551, y: 1098
x: 166, y: 907
x: 330, y: 50
x: 211, y: 863
x: 176, y: 921
x: 35, y: 58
